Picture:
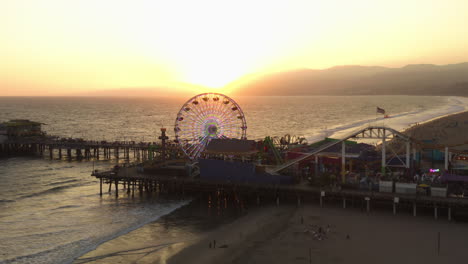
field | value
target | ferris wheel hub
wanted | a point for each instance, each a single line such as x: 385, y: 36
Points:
x: 212, y: 129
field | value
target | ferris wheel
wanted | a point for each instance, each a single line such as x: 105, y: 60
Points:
x: 207, y: 116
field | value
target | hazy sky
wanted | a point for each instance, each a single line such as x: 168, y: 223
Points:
x: 61, y: 47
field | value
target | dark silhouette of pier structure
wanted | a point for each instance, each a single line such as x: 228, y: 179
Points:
x: 130, y: 180
x: 76, y: 149
x: 134, y: 178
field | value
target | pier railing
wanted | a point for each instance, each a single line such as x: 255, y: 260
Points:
x: 83, y: 149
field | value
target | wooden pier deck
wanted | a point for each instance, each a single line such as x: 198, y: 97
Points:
x: 80, y: 149
x: 132, y: 180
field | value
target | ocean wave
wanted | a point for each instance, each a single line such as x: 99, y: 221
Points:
x: 66, y: 207
x: 67, y: 167
x: 52, y: 255
x: 68, y: 251
x: 40, y: 235
x: 62, y: 182
x: 164, y: 212
x: 7, y: 201
x: 52, y: 190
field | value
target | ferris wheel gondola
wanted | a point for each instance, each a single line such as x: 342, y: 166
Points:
x: 205, y: 117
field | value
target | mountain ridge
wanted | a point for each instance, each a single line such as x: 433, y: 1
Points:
x: 412, y: 79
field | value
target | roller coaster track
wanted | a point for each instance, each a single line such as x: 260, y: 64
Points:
x: 370, y: 132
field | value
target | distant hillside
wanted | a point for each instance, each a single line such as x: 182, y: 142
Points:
x: 424, y: 79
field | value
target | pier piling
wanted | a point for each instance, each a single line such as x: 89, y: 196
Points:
x: 322, y: 194
x: 116, y: 188
x: 224, y: 192
x: 367, y: 204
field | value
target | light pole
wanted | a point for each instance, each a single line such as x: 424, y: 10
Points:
x: 163, y: 138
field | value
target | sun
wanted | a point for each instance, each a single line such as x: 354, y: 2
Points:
x: 212, y: 54
x: 212, y: 68
x: 209, y: 43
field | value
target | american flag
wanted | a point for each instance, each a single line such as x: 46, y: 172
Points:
x: 380, y: 110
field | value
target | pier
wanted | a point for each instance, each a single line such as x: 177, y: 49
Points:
x: 236, y: 168
x: 84, y: 150
x: 130, y: 181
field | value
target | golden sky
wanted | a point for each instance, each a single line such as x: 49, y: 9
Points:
x: 63, y: 47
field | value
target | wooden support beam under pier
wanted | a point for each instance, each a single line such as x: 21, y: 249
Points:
x: 276, y: 193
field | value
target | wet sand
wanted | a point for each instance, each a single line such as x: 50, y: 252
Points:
x: 158, y: 241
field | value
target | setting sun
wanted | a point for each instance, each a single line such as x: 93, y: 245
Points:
x: 212, y: 43
x: 58, y: 47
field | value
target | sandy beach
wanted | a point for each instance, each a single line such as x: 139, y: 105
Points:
x: 287, y: 234
x: 448, y: 131
x: 290, y: 234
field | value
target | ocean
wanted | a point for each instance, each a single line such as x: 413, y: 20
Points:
x: 51, y: 211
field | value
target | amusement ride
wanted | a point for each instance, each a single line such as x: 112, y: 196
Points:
x: 205, y: 117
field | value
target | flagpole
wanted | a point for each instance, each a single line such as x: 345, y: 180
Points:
x: 381, y: 111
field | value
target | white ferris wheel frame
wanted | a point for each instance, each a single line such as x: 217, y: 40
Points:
x: 204, y: 117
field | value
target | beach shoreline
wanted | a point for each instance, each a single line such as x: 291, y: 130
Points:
x: 155, y: 242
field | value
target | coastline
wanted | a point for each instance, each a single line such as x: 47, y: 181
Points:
x: 155, y: 242
x: 404, y: 121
